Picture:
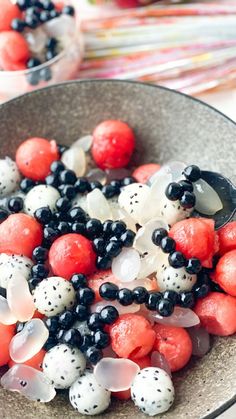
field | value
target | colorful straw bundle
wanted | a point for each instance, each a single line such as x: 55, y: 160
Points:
x: 190, y: 46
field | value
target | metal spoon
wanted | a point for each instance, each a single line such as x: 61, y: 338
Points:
x: 227, y: 193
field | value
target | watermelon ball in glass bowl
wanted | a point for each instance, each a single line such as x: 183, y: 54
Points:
x: 39, y: 45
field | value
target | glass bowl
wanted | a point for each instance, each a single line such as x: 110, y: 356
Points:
x: 62, y: 67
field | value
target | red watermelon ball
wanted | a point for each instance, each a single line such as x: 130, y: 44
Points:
x: 113, y: 144
x: 71, y: 254
x: 14, y: 51
x: 35, y: 156
x: 8, y: 12
x: 20, y: 234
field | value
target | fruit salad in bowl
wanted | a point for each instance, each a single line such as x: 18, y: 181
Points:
x: 40, y: 44
x: 109, y: 281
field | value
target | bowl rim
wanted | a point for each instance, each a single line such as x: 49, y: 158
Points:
x: 116, y: 81
x: 226, y: 405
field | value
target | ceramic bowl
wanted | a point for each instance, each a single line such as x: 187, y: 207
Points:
x: 168, y: 125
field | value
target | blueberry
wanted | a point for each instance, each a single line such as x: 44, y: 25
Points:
x: 108, y: 291
x: 49, y: 55
x: 45, y: 74
x: 3, y: 214
x: 50, y: 234
x: 174, y: 191
x: 52, y: 324
x: 44, y: 16
x: 82, y: 185
x: 165, y: 307
x: 168, y: 245
x: 81, y: 312
x: 153, y: 300
x: 186, y: 185
x: 17, y: 25
x: 78, y: 228
x: 3, y: 292
x: 94, y: 355
x: 193, y: 266
x: 53, y: 14
x: 66, y: 319
x: 107, y: 228
x: 117, y: 184
x: 94, y: 321
x: 113, y: 248
x: 26, y: 184
x: 109, y: 314
x: 23, y: 4
x: 57, y: 167
x: 50, y: 343
x: 52, y: 180
x: 33, y: 78
x: 63, y: 227
x: 47, y: 4
x: 127, y: 181
x: 43, y: 215
x: 186, y: 299
x: 15, y: 204
x: 33, y: 282
x: 95, y: 185
x: 140, y: 295
x: 19, y: 327
x: 62, y: 148
x: 63, y: 204
x: 201, y: 290
x: 86, y: 343
x: 188, y: 200
x: 101, y: 339
x: 93, y: 228
x: 39, y: 271
x: 192, y: 173
x: 176, y: 260
x: 31, y: 21
x: 68, y: 191
x: 127, y: 238
x: 68, y: 10
x: 72, y: 337
x: 78, y: 280
x: 85, y: 296
x: 99, y: 246
x: 51, y: 43
x: 109, y: 191
x: 125, y: 297
x: 103, y: 262
x: 158, y: 235
x: 171, y: 295
x: 118, y: 228
x: 40, y: 254
x: 68, y: 177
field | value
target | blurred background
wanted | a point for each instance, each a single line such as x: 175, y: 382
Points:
x: 185, y: 45
x: 189, y: 46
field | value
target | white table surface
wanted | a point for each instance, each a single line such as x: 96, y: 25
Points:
x: 225, y: 101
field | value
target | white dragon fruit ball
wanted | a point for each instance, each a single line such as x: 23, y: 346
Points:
x: 41, y: 196
x: 133, y: 199
x: 152, y: 391
x: 54, y: 295
x: 63, y: 364
x: 178, y: 280
x: 87, y: 396
x: 172, y: 212
x: 9, y: 176
x: 10, y: 265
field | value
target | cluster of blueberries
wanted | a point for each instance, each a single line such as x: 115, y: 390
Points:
x: 183, y: 190
x: 108, y: 239
x: 37, y: 12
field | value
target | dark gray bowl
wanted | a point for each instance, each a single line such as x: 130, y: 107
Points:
x: 168, y: 125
